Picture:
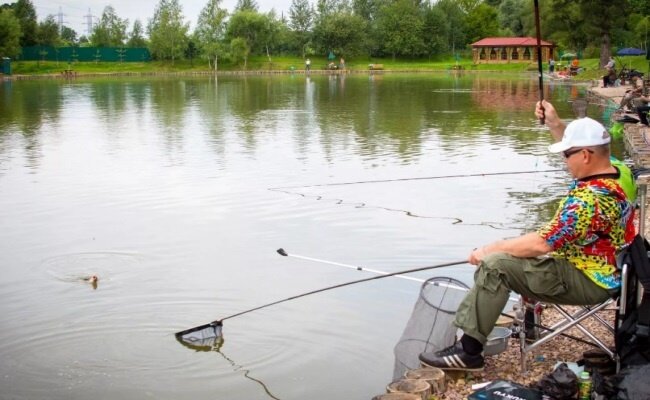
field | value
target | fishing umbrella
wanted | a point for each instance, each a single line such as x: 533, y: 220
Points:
x: 630, y: 51
x: 568, y: 55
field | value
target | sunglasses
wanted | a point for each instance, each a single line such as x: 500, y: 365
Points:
x: 570, y: 152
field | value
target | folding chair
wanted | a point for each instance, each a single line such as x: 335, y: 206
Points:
x: 570, y: 320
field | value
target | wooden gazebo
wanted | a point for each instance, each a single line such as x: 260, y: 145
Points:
x: 505, y: 50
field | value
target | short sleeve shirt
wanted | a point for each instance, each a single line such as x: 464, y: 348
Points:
x: 593, y: 223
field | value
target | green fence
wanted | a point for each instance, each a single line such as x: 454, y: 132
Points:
x: 97, y: 54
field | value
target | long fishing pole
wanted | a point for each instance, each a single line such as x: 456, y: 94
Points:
x: 539, y: 57
x: 418, y: 178
x: 283, y: 252
x: 214, y: 328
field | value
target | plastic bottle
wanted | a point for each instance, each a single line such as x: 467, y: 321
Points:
x: 585, y: 386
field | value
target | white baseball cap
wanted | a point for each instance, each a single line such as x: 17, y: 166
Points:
x: 583, y: 132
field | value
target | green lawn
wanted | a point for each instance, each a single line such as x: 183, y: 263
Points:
x: 260, y: 63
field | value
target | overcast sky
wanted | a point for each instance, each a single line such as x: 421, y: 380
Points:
x: 74, y: 11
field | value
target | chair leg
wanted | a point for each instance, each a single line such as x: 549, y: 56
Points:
x: 560, y: 327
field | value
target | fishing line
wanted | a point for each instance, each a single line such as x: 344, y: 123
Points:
x: 456, y: 220
x: 365, y: 205
x: 414, y: 179
x: 215, y: 344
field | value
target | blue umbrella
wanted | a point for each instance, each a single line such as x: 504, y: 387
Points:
x: 630, y: 51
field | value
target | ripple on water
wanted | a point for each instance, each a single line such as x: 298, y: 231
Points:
x: 74, y: 267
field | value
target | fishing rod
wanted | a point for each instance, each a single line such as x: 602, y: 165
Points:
x: 539, y: 58
x: 214, y: 328
x: 282, y: 252
x: 418, y: 178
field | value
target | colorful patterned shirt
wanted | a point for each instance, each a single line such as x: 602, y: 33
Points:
x: 593, y: 223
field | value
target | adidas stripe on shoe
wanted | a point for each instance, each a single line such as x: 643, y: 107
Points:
x: 453, y: 358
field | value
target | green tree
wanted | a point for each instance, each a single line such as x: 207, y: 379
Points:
x: 9, y: 34
x: 598, y: 25
x: 564, y: 25
x: 239, y: 50
x: 342, y: 33
x: 325, y: 8
x: 512, y: 16
x: 455, y: 17
x: 366, y: 9
x: 641, y: 31
x: 210, y: 31
x: 435, y: 31
x: 110, y: 31
x: 47, y: 33
x: 168, y: 31
x: 26, y: 13
x: 482, y: 22
x: 246, y: 5
x: 251, y: 26
x: 68, y: 36
x: 191, y: 51
x: 469, y: 5
x: 640, y: 7
x: 136, y: 36
x: 401, y: 25
x: 301, y: 17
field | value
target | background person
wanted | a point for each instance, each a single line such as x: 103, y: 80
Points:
x: 642, y: 109
x: 592, y: 224
x: 631, y: 94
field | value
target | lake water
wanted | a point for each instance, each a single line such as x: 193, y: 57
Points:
x: 177, y: 192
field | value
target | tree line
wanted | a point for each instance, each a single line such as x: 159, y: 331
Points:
x: 350, y: 28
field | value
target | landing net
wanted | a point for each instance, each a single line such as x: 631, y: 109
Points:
x: 202, y: 338
x: 430, y: 327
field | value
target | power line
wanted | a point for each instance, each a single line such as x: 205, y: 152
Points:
x: 60, y: 16
x: 89, y: 22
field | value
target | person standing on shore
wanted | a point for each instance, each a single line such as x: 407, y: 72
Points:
x: 551, y: 66
x: 308, y: 65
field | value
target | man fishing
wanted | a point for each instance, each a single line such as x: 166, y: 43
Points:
x: 570, y: 260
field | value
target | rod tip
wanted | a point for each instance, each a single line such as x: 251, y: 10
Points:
x: 282, y: 252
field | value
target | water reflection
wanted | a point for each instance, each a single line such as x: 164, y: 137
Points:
x: 25, y: 108
x: 378, y: 114
x: 214, y: 345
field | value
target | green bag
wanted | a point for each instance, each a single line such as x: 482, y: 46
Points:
x: 616, y: 130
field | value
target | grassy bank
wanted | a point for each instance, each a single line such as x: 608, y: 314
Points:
x: 288, y: 63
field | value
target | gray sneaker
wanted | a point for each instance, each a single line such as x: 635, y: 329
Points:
x: 453, y: 358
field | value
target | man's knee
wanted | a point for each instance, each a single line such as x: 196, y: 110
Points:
x: 500, y: 262
x: 493, y: 272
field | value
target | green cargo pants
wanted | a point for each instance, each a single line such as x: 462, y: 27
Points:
x: 550, y: 280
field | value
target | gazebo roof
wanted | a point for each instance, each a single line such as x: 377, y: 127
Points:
x: 510, y: 42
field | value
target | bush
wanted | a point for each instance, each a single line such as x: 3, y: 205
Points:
x: 591, y: 52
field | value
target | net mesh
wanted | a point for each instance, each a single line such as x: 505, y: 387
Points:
x: 430, y: 326
x: 202, y: 338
